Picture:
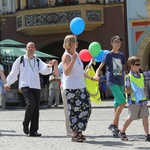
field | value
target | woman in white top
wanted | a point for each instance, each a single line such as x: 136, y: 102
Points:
x: 79, y: 106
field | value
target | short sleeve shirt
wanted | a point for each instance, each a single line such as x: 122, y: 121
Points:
x: 127, y: 84
x: 114, y: 65
x: 54, y: 84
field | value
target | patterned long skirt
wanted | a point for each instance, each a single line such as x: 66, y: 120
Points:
x: 79, y: 108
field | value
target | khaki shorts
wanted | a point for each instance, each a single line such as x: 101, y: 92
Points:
x: 137, y: 111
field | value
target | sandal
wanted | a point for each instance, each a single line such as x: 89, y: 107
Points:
x: 76, y: 138
x: 123, y: 136
x: 81, y: 136
x: 147, y: 137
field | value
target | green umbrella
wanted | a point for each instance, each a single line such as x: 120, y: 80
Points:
x: 11, y: 48
x: 11, y: 43
x: 40, y: 54
x: 9, y: 54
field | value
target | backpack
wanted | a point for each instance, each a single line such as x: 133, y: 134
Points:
x: 22, y: 61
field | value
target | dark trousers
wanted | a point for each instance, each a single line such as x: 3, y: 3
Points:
x: 32, y: 97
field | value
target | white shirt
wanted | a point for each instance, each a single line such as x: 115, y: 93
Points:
x: 29, y: 73
x: 75, y: 80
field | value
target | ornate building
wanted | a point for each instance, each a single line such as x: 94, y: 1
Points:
x: 46, y: 22
x: 138, y: 26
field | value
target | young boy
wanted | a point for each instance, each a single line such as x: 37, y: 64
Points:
x: 134, y: 88
x: 114, y: 62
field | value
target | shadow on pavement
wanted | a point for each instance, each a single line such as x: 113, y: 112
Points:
x: 109, y: 143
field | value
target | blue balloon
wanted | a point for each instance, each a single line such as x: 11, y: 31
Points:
x: 77, y: 25
x: 106, y: 51
x: 100, y: 56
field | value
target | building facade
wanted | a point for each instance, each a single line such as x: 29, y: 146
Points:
x: 138, y: 26
x: 46, y: 22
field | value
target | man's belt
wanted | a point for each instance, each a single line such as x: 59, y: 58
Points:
x: 147, y: 79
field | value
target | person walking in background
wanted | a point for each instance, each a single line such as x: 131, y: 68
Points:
x: 2, y: 82
x: 114, y: 62
x: 103, y: 85
x: 68, y: 131
x: 135, y: 94
x: 54, y: 90
x: 77, y: 97
x: 29, y: 68
x: 146, y: 74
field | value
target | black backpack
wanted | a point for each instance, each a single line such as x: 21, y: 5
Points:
x: 22, y: 61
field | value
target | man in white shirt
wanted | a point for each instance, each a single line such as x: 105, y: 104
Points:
x: 29, y: 83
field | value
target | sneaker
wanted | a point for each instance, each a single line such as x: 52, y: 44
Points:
x: 55, y: 105
x: 114, y: 130
x: 147, y: 137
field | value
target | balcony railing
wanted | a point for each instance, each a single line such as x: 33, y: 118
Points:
x: 56, y: 3
x: 57, y: 20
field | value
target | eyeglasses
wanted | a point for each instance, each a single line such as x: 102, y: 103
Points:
x: 137, y: 64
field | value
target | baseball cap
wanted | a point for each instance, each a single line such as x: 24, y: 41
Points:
x: 116, y: 37
x: 146, y: 67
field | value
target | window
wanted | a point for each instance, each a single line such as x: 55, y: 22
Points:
x: 32, y: 3
x: 37, y: 3
x: 43, y: 3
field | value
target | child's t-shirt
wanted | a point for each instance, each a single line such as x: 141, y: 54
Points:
x: 114, y: 65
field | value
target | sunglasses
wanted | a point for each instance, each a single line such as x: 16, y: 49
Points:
x: 137, y: 64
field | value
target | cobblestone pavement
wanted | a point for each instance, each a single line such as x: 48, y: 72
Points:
x: 52, y: 127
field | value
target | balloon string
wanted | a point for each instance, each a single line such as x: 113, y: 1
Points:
x: 90, y: 64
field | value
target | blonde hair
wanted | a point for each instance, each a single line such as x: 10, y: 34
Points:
x: 69, y: 39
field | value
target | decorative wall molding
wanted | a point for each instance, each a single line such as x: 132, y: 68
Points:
x: 53, y: 20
